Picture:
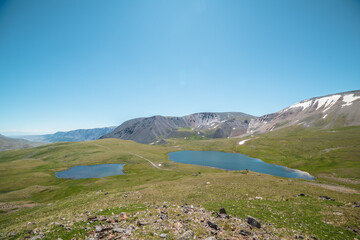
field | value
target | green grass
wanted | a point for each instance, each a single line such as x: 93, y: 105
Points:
x: 29, y: 176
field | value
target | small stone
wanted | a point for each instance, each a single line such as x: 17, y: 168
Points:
x: 119, y: 230
x: 141, y: 223
x: 213, y: 225
x: 210, y: 238
x: 327, y: 198
x: 36, y: 237
x: 207, y: 183
x: 253, y: 222
x: 186, y: 235
x: 244, y: 233
x: 222, y: 211
x: 98, y: 228
x: 123, y: 216
x: 163, y: 235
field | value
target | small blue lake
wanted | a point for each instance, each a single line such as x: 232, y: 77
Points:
x: 94, y: 171
x: 235, y: 161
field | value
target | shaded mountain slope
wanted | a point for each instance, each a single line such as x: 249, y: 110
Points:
x: 148, y: 130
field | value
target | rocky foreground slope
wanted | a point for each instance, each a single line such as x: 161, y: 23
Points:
x: 331, y: 111
x: 165, y: 221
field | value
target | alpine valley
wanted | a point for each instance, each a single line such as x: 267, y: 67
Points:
x: 157, y: 198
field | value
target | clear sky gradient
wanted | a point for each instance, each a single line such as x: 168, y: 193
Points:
x: 68, y: 64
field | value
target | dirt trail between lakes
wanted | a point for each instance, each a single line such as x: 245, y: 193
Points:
x: 149, y: 161
x: 335, y: 188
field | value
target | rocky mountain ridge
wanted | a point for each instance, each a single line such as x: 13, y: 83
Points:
x: 152, y: 129
x: 330, y: 111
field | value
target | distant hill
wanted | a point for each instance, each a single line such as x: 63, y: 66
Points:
x: 7, y: 143
x: 71, y: 136
x: 208, y: 124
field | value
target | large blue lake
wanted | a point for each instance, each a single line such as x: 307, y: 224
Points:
x: 94, y: 171
x: 235, y: 161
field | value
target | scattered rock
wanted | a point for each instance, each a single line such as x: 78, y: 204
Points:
x: 222, y: 211
x: 253, y: 222
x: 210, y: 238
x: 213, y: 225
x: 98, y: 228
x: 327, y: 198
x: 36, y: 237
x: 123, y: 216
x: 244, y: 233
x: 338, y: 213
x: 207, y: 183
x: 166, y: 218
x: 141, y: 223
x: 186, y: 235
x: 119, y: 230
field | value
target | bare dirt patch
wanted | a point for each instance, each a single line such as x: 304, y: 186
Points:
x: 14, y: 206
x: 344, y: 180
x: 335, y: 188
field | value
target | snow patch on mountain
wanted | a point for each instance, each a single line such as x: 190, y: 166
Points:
x: 303, y: 105
x: 349, y: 99
x: 243, y: 141
x: 327, y: 102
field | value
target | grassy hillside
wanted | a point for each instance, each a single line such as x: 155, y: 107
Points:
x: 34, y: 194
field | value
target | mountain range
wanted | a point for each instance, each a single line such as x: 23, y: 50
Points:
x: 330, y: 111
x: 71, y: 136
x: 325, y: 112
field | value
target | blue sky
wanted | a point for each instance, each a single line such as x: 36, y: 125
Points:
x: 87, y: 63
